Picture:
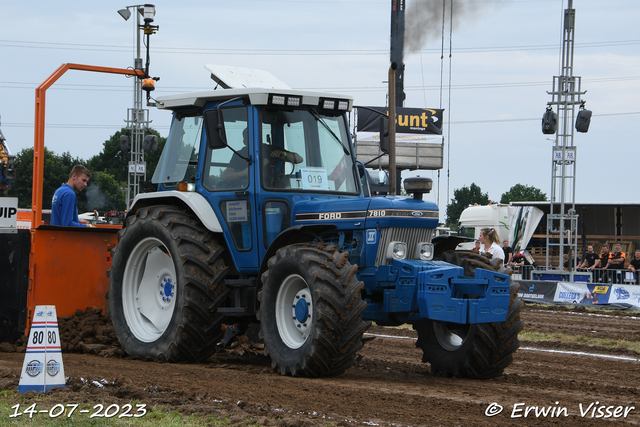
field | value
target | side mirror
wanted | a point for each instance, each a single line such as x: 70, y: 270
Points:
x: 384, y: 135
x: 214, y: 127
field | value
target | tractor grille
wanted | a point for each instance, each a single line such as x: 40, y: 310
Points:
x: 410, y: 236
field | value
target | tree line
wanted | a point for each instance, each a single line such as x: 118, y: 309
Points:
x: 110, y: 173
x: 467, y: 196
x: 107, y: 189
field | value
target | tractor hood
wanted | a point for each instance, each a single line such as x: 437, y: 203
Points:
x: 401, y: 211
x: 345, y: 213
x: 358, y: 213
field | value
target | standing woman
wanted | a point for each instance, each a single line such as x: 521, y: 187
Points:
x: 491, y: 243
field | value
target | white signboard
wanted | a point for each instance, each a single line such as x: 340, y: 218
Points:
x: 627, y: 294
x: 572, y: 293
x: 237, y: 211
x: 8, y: 214
x: 137, y: 167
x: 314, y: 179
x: 567, y: 155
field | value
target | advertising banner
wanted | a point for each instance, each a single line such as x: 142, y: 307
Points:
x: 9, y: 215
x: 413, y: 121
x: 419, y: 143
x: 626, y: 294
x: 401, y: 137
x: 582, y: 293
x: 605, y: 296
x: 537, y: 291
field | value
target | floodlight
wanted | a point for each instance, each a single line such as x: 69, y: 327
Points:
x: 149, y: 13
x: 125, y: 13
x: 125, y: 143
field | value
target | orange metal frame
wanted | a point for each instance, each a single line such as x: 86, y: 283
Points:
x: 68, y: 265
x: 38, y: 145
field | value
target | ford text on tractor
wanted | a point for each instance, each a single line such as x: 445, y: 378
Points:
x: 262, y: 215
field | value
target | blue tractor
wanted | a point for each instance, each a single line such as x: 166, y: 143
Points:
x: 261, y: 214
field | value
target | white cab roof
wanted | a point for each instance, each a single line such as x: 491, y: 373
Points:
x: 237, y: 82
x: 257, y: 96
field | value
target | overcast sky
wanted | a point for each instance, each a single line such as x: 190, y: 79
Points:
x: 504, y: 54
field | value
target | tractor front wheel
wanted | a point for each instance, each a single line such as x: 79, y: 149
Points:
x: 481, y: 350
x: 311, y: 311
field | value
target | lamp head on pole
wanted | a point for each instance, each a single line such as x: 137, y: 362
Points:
x: 125, y: 13
x: 148, y: 13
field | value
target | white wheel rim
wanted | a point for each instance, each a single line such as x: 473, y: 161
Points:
x: 450, y: 339
x: 149, y: 290
x: 294, y: 309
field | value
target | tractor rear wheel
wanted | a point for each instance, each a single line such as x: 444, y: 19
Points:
x: 166, y: 283
x: 311, y: 311
x: 473, y: 350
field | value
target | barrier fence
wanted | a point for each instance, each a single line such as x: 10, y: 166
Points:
x: 610, y: 296
x: 598, y: 275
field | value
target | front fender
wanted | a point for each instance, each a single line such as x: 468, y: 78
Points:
x: 295, y: 234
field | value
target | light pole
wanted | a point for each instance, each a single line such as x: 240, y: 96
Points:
x: 562, y: 220
x: 137, y: 117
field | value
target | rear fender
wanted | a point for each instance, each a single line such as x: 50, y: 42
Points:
x: 191, y: 200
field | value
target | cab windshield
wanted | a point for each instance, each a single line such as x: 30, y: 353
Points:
x: 305, y: 150
x: 179, y: 159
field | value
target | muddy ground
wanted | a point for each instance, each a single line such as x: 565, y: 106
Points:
x: 575, y: 384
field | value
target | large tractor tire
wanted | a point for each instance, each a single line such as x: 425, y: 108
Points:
x: 311, y: 311
x: 473, y: 350
x: 166, y: 283
x: 470, y: 260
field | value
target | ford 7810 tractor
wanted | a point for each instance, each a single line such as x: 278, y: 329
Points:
x: 261, y: 214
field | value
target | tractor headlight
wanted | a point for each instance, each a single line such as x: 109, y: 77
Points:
x: 424, y: 251
x: 396, y: 250
x: 328, y: 104
x: 334, y: 104
x: 288, y: 100
x: 186, y: 186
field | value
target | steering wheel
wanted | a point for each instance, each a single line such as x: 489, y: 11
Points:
x: 272, y: 176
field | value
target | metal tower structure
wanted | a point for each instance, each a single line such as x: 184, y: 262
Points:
x: 137, y: 117
x: 562, y: 220
x: 137, y: 122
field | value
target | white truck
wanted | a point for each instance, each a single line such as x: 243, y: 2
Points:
x: 513, y: 223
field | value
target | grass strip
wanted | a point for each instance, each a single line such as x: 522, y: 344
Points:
x: 12, y: 403
x: 579, y: 339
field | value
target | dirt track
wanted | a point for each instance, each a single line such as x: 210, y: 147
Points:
x: 388, y: 386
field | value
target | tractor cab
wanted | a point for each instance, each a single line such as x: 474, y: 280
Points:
x: 253, y: 154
